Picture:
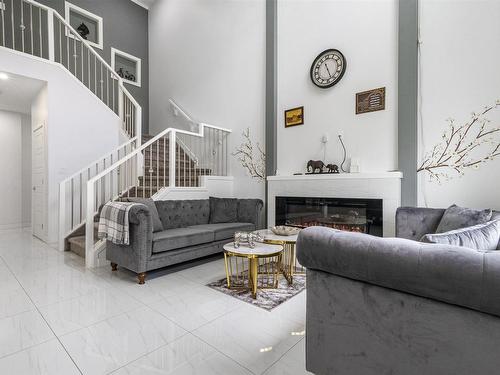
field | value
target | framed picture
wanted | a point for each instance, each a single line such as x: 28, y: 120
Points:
x: 127, y: 66
x: 294, y: 116
x: 87, y: 24
x: 370, y: 101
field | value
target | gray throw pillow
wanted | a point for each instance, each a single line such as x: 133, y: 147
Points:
x: 480, y: 237
x: 456, y: 217
x: 223, y: 210
x: 150, y: 204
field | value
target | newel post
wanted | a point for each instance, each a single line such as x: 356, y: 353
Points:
x: 171, y: 161
x: 50, y: 31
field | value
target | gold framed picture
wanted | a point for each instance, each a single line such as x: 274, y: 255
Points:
x: 294, y: 116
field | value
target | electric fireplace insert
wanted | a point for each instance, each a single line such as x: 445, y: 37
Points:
x: 355, y: 215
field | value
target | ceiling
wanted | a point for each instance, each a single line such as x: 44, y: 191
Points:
x: 144, y: 3
x: 17, y: 93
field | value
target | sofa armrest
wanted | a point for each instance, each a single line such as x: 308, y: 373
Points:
x: 135, y: 255
x: 455, y: 275
x: 250, y: 211
x: 413, y: 222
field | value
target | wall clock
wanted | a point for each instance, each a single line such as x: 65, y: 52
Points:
x: 328, y: 68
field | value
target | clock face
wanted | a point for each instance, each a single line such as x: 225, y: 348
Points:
x: 328, y: 68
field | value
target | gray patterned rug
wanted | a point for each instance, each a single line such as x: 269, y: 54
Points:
x: 267, y: 299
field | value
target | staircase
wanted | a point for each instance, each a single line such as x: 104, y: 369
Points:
x: 141, y: 166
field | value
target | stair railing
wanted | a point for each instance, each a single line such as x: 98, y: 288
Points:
x: 33, y: 28
x: 73, y: 190
x: 164, y: 164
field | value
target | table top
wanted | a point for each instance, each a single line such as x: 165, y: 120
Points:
x: 269, y: 235
x: 261, y: 250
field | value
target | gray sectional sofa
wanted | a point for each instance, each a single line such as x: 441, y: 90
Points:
x: 398, y: 306
x: 163, y: 233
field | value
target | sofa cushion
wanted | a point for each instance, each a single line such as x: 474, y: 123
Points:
x: 479, y: 237
x: 223, y: 210
x: 177, y: 238
x: 225, y: 231
x: 183, y: 213
x: 456, y: 217
x: 150, y: 204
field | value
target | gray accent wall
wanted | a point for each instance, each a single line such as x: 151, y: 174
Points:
x: 407, y: 100
x: 271, y: 86
x: 125, y: 27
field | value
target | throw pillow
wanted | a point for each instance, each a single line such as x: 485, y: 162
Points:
x: 480, y: 237
x: 150, y: 204
x: 456, y: 217
x: 223, y: 210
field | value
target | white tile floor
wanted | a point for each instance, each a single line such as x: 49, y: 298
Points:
x: 56, y: 317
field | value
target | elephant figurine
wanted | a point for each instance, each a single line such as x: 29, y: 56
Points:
x: 332, y: 168
x: 315, y: 164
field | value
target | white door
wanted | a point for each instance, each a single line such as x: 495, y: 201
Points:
x: 38, y: 215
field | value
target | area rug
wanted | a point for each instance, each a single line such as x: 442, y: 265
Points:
x: 267, y: 299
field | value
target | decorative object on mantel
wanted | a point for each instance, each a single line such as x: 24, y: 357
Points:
x: 332, y: 168
x: 355, y: 166
x: 251, y: 157
x: 345, y: 153
x: 294, y: 116
x: 328, y: 68
x: 370, y: 101
x: 463, y: 147
x: 313, y: 165
x: 285, y: 230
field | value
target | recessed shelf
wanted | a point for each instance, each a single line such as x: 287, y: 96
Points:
x: 127, y: 66
x: 87, y: 24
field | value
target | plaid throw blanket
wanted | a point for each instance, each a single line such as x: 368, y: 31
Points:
x: 113, y: 222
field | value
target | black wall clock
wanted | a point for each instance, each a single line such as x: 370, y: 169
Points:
x: 328, y: 68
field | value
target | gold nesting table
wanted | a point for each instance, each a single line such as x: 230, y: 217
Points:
x: 253, y: 268
x: 289, y: 263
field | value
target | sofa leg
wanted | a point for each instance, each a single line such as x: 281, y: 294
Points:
x: 141, y: 277
x: 114, y: 266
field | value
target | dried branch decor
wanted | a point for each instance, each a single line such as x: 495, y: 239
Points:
x: 251, y: 157
x: 463, y: 147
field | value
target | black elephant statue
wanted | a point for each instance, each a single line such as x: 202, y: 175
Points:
x: 332, y: 168
x: 313, y: 165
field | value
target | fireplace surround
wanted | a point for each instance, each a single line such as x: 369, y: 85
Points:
x: 385, y: 186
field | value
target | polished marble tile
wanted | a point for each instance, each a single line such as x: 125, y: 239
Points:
x: 185, y: 356
x: 22, y: 331
x: 48, y: 358
x: 80, y: 312
x: 14, y: 301
x: 292, y: 363
x: 205, y: 273
x: 50, y: 286
x: 156, y: 287
x: 251, y: 336
x: 110, y: 344
x: 195, y: 307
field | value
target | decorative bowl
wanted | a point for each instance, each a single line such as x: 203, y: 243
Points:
x: 283, y: 230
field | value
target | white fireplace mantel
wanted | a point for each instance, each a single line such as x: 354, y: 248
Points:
x: 376, y: 185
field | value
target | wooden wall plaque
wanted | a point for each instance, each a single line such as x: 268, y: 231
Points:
x: 370, y: 101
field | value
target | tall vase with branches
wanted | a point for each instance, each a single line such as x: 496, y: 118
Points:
x: 463, y: 147
x: 252, y: 157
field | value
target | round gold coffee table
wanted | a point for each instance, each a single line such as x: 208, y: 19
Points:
x: 252, y: 268
x: 290, y: 265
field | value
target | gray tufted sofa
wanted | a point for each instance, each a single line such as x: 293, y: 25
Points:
x: 397, y: 306
x: 187, y: 234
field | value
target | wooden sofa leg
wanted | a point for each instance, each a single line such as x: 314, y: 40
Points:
x: 141, y: 277
x: 114, y: 266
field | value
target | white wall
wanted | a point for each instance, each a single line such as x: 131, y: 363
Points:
x: 366, y: 32
x: 26, y: 169
x: 460, y: 60
x: 10, y: 168
x: 209, y: 56
x: 80, y: 128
